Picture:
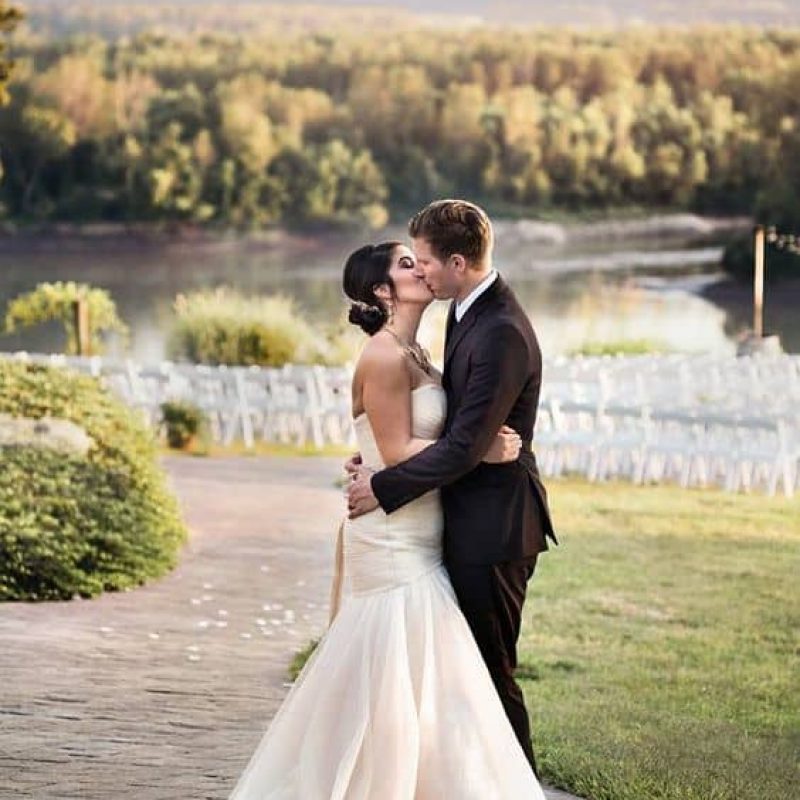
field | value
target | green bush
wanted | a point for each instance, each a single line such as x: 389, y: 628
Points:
x: 738, y: 262
x: 182, y: 422
x: 224, y: 327
x: 54, y: 301
x: 80, y: 525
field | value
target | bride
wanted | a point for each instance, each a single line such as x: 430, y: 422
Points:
x: 396, y: 702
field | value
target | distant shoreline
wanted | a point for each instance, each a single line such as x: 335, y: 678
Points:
x: 55, y: 237
x: 781, y: 301
x: 738, y: 294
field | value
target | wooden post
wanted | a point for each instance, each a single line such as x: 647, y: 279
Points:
x: 83, y: 335
x: 758, y: 284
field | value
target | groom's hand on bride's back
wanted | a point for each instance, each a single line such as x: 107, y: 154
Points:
x: 504, y: 448
x: 360, y: 497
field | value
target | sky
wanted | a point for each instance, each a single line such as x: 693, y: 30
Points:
x: 578, y: 12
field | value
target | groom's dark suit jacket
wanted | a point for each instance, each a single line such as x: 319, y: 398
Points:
x: 492, y: 375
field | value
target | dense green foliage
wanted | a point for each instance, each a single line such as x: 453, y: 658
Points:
x: 739, y: 259
x: 182, y: 421
x: 73, y: 525
x: 279, y: 126
x: 9, y: 19
x: 222, y: 326
x: 54, y: 301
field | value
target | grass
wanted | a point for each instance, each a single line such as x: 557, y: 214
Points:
x: 300, y: 658
x: 623, y: 347
x: 659, y: 650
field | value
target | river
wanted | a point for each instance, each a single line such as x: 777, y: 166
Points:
x: 580, y: 284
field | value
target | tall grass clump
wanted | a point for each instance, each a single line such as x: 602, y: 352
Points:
x: 222, y: 326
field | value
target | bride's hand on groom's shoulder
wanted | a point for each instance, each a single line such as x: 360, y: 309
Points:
x: 504, y: 448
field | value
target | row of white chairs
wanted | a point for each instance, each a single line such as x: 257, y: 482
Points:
x: 772, y: 383
x: 690, y: 446
x: 693, y: 420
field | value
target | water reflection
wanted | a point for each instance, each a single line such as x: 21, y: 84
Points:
x: 568, y: 314
x: 609, y: 297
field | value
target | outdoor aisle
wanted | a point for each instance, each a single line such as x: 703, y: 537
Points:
x: 161, y: 693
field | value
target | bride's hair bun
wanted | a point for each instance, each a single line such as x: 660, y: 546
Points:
x: 365, y: 270
x: 369, y: 318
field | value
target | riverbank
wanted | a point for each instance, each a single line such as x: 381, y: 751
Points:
x: 781, y: 304
x: 562, y: 230
x: 612, y: 229
x: 149, y: 237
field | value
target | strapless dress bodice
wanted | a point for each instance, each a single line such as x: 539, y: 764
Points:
x: 383, y: 551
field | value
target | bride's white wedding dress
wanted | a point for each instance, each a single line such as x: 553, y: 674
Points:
x: 396, y: 702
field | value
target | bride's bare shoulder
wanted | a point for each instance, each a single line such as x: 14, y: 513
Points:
x: 380, y: 371
x: 381, y: 358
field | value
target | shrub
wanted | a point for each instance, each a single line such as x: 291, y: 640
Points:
x: 738, y: 262
x: 54, y: 301
x: 182, y: 421
x: 225, y: 327
x: 80, y: 525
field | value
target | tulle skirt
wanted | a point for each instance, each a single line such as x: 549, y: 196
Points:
x: 394, y: 704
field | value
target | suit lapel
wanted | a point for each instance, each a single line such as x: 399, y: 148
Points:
x: 457, y: 334
x: 457, y: 331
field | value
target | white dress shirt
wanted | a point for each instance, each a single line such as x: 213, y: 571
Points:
x: 464, y: 305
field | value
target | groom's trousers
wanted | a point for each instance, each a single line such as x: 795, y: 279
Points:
x: 491, y: 597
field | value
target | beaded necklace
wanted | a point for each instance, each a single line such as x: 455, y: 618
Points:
x: 416, y: 352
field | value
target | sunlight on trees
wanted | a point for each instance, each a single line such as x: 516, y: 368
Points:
x: 279, y: 125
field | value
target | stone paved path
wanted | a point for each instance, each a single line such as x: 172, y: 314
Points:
x: 161, y: 693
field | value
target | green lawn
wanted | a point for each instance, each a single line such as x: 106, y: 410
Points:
x: 659, y: 654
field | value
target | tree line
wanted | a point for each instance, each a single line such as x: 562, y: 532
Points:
x: 286, y: 127
x: 10, y: 17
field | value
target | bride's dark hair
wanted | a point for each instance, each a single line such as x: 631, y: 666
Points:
x: 365, y: 270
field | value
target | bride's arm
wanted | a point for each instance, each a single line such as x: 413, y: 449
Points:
x: 386, y: 396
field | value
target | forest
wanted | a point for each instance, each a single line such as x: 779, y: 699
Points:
x: 293, y: 122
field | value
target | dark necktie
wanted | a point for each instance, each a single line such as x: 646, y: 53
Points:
x: 451, y: 323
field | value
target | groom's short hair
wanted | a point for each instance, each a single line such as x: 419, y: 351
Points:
x: 454, y: 226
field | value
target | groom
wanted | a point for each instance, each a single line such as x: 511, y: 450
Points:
x: 496, y: 515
